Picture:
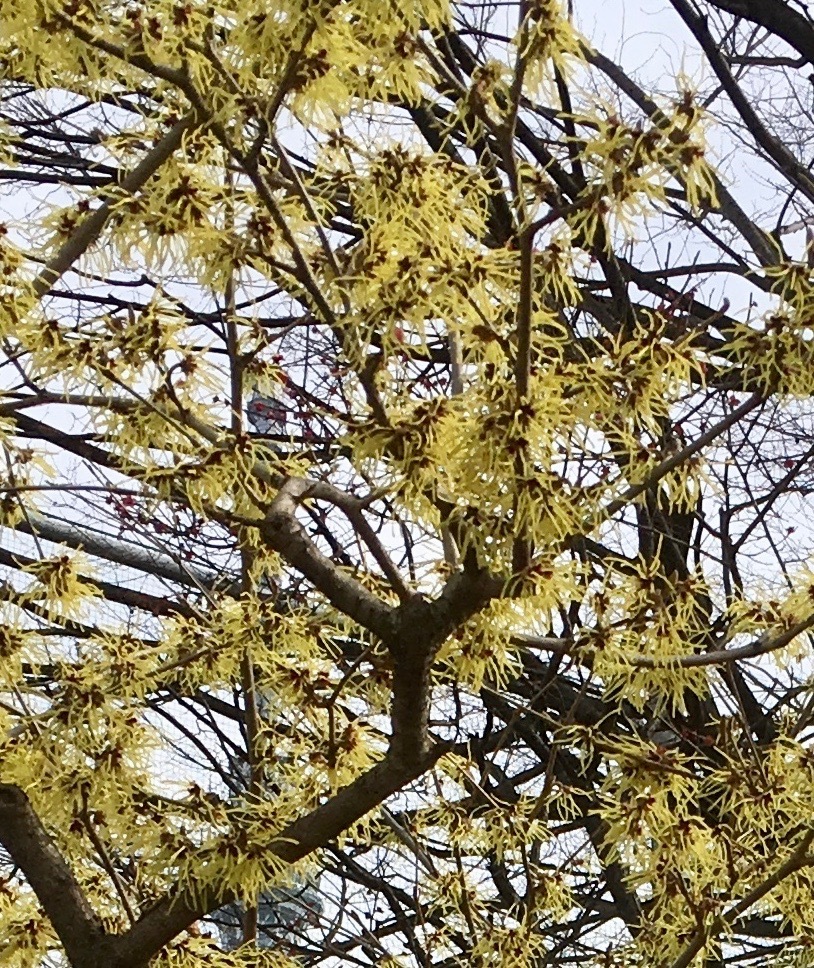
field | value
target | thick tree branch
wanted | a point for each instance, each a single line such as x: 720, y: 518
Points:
x: 286, y: 535
x: 34, y: 852
x: 797, y: 175
x: 175, y: 913
x: 778, y: 17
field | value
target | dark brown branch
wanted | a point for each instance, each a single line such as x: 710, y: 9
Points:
x: 176, y: 912
x: 759, y: 241
x: 421, y: 628
x: 779, y: 18
x: 799, y: 176
x: 285, y: 535
x: 34, y: 852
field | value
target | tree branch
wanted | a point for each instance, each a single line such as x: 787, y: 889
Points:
x: 286, y: 535
x: 33, y: 851
x: 90, y: 228
x: 778, y: 17
x: 174, y: 913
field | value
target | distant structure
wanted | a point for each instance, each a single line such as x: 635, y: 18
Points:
x: 267, y: 415
x: 281, y: 911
